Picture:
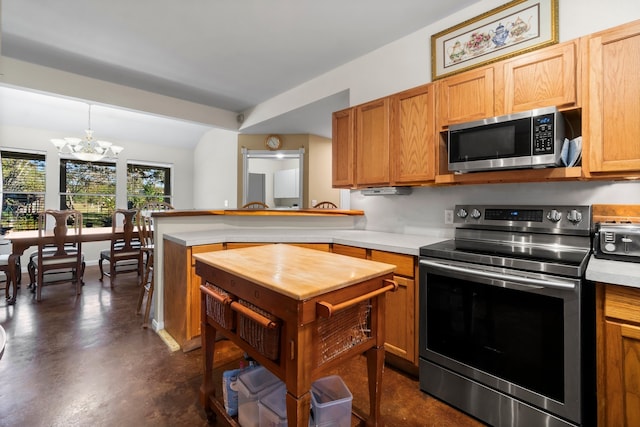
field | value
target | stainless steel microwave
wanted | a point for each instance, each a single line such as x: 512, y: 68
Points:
x: 530, y: 139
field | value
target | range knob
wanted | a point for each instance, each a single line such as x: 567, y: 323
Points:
x: 462, y: 213
x: 575, y: 216
x: 475, y: 214
x: 554, y: 215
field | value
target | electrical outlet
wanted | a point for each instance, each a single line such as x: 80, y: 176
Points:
x: 448, y: 216
x: 226, y: 203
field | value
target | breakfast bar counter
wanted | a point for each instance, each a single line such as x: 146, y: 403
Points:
x: 296, y: 311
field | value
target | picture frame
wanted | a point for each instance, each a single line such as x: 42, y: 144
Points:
x: 512, y: 29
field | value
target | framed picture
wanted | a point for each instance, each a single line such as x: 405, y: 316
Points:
x: 509, y: 30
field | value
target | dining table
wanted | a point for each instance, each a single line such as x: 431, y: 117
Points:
x: 22, y: 240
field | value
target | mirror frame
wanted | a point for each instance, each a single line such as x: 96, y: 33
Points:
x: 267, y: 154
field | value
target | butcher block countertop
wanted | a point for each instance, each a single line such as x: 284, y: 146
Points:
x: 296, y: 272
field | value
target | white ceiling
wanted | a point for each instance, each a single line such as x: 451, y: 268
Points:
x: 229, y: 54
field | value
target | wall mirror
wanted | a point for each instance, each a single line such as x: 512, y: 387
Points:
x: 273, y: 177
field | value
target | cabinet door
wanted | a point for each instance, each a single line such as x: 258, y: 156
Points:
x: 343, y: 148
x: 193, y: 308
x: 400, y: 337
x: 400, y: 320
x: 622, y: 367
x: 612, y: 128
x: 413, y: 136
x: 543, y: 78
x: 466, y: 97
x: 372, y: 143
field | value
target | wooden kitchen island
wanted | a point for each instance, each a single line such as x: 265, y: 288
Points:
x: 296, y: 311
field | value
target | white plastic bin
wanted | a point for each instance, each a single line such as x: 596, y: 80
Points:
x: 331, y: 402
x: 273, y: 408
x: 253, y: 385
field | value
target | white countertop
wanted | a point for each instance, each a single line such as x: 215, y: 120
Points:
x: 598, y: 270
x: 613, y: 272
x: 390, y: 242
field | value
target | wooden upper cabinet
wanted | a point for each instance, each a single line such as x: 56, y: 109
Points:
x: 542, y: 78
x: 372, y: 143
x: 413, y: 136
x: 466, y: 97
x: 342, y: 152
x: 612, y: 105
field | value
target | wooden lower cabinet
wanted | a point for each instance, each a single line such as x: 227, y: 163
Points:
x: 400, y: 319
x: 618, y: 351
x: 182, y: 287
x: 182, y: 292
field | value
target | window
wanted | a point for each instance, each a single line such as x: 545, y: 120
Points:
x: 148, y: 183
x: 89, y: 187
x: 23, y: 185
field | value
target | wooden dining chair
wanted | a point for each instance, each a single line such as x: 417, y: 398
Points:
x: 123, y: 254
x: 61, y: 260
x: 156, y: 207
x: 145, y: 231
x: 255, y: 205
x: 325, y: 205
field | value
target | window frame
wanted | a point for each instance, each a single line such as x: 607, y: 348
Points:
x: 40, y: 196
x: 89, y: 218
x: 167, y: 184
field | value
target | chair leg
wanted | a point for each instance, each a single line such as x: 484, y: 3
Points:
x: 112, y: 272
x: 31, y: 268
x: 145, y: 321
x: 144, y: 281
x: 100, y: 266
x: 39, y: 283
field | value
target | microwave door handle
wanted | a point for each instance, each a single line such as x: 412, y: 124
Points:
x: 524, y: 281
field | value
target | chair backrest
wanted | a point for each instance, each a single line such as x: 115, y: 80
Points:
x: 63, y: 220
x: 325, y: 205
x: 156, y: 206
x: 129, y: 242
x: 255, y: 205
x: 145, y: 229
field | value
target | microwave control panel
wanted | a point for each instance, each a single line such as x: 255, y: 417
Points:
x: 544, y: 134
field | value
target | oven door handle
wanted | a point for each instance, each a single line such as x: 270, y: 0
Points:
x: 524, y: 281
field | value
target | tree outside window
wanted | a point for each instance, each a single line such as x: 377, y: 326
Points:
x: 147, y: 183
x: 23, y: 189
x: 89, y: 187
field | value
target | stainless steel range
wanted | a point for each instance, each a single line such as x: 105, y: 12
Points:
x: 507, y: 319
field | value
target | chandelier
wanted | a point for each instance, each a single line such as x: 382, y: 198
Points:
x: 87, y: 148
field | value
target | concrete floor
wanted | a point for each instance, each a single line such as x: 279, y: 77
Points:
x: 86, y: 361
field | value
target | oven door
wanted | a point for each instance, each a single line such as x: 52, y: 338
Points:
x: 513, y: 333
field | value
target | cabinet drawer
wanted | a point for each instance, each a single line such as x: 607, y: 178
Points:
x: 204, y: 248
x: 622, y: 303
x: 404, y: 263
x: 351, y: 251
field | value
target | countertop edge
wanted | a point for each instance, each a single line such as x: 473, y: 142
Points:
x: 383, y: 241
x: 613, y: 272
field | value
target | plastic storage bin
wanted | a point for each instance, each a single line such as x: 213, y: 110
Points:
x: 273, y: 408
x: 252, y: 386
x: 331, y: 402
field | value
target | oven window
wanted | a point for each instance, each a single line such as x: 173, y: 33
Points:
x: 515, y: 335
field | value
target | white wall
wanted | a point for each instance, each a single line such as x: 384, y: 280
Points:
x: 215, y: 169
x: 406, y: 63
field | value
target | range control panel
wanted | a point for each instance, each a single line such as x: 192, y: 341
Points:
x: 528, y: 216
